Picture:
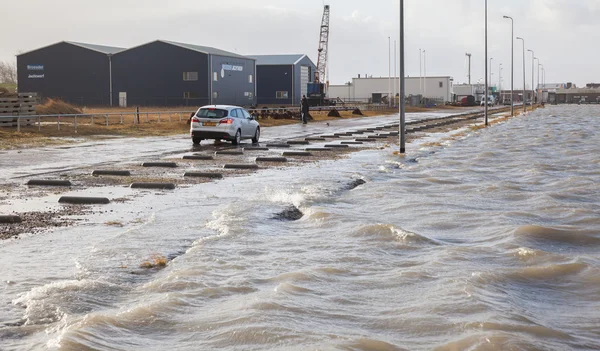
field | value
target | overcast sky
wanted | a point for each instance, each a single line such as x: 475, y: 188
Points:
x: 563, y: 33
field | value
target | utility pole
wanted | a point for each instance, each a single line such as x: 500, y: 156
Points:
x: 486, y: 64
x: 532, y: 73
x: 469, y: 74
x: 402, y: 86
x: 425, y: 76
x: 512, y: 65
x: 395, y: 76
x: 389, y: 71
x: 524, y: 79
x: 421, y: 72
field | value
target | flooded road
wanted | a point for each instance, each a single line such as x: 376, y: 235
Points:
x: 479, y: 240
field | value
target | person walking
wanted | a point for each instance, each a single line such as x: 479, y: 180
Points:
x: 304, y: 109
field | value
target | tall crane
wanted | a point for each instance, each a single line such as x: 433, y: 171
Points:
x: 320, y: 75
x: 317, y: 90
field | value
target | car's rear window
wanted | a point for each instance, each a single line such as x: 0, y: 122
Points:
x: 211, y: 113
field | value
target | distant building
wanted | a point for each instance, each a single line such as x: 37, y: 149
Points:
x: 575, y: 96
x: 166, y: 73
x: 77, y: 73
x: 282, y: 79
x: 375, y: 89
x: 159, y: 73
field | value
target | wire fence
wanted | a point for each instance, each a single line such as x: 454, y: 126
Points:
x: 76, y: 121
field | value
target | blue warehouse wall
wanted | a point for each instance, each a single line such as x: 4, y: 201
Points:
x: 271, y: 79
x: 233, y: 85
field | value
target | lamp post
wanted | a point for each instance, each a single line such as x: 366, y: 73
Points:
x: 538, y: 78
x: 389, y: 71
x: 491, y: 72
x: 524, y: 86
x: 486, y: 64
x: 543, y: 81
x: 394, y: 82
x: 402, y: 101
x: 425, y: 77
x: 532, y: 73
x: 500, y: 79
x: 542, y: 89
x: 512, y: 65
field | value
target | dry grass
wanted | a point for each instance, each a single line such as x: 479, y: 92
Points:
x: 155, y: 261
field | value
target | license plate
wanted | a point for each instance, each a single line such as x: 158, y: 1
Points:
x: 209, y: 124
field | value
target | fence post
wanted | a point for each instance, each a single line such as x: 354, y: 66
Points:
x: 107, y: 119
x: 39, y: 124
x: 58, y: 122
x: 180, y: 117
x: 121, y: 118
x: 75, y: 124
x: 147, y: 118
x: 159, y: 117
x: 18, y: 124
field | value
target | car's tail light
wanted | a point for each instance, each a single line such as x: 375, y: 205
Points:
x: 195, y: 120
x: 226, y: 121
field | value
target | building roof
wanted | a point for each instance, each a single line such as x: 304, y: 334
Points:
x: 272, y: 60
x: 99, y: 48
x: 204, y: 49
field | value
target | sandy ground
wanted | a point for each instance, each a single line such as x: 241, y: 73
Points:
x: 47, y: 218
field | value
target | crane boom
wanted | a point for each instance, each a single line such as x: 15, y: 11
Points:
x: 323, y: 48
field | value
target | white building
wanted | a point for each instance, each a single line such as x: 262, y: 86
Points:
x: 373, y: 89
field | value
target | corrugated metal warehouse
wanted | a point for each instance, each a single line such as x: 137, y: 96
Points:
x: 74, y: 72
x: 165, y: 73
x: 373, y: 89
x: 282, y: 79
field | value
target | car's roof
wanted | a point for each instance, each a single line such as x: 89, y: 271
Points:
x: 222, y: 107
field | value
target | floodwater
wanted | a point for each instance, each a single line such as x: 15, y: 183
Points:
x: 490, y: 241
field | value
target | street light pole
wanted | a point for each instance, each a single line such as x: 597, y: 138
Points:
x: 402, y: 86
x: 389, y: 71
x: 524, y: 87
x: 543, y: 81
x: 394, y: 82
x: 491, y: 72
x: 512, y: 65
x: 421, y: 72
x: 532, y: 73
x: 538, y: 79
x: 469, y: 74
x: 542, y: 89
x: 486, y: 64
x: 500, y: 80
x: 425, y: 77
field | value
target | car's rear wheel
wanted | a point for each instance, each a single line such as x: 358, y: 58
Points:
x: 256, y: 136
x: 238, y: 138
x: 196, y: 141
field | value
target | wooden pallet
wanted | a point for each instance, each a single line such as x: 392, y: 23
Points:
x: 22, y: 105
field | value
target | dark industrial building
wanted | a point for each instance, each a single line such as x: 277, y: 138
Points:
x: 164, y: 73
x: 74, y: 72
x: 282, y: 79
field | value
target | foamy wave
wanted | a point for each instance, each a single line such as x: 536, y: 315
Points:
x: 389, y: 232
x: 227, y: 221
x: 52, y: 302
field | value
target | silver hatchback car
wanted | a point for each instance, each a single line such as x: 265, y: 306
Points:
x: 225, y: 122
